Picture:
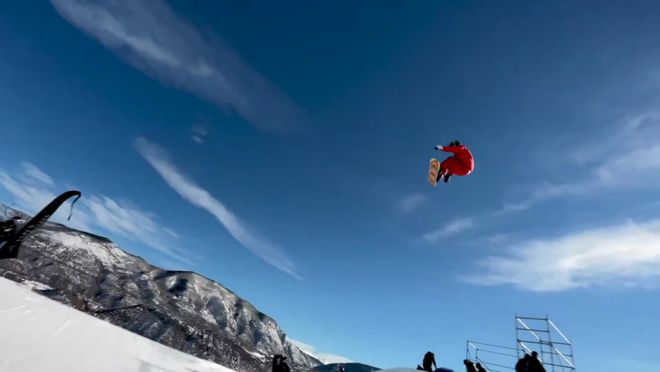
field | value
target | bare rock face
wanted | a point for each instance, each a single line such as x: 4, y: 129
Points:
x: 183, y: 310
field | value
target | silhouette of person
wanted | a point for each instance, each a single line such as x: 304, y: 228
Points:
x: 279, y: 364
x: 276, y: 363
x: 429, y: 362
x: 9, y: 227
x: 469, y: 366
x: 480, y: 368
x: 535, y: 364
x: 523, y: 363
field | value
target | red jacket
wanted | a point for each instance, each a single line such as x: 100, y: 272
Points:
x: 463, y: 154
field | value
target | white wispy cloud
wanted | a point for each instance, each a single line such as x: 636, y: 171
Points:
x: 452, y: 228
x: 636, y: 130
x: 629, y: 157
x: 499, y: 238
x: 122, y: 218
x: 27, y: 195
x: 199, y: 133
x: 621, y: 255
x: 153, y: 39
x: 633, y: 167
x: 201, y: 198
x: 411, y: 202
x: 547, y: 191
x: 36, y: 174
x: 326, y: 358
x: 127, y: 220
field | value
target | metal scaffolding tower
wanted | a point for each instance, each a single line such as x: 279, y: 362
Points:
x: 494, y: 358
x: 554, y: 349
x: 532, y: 334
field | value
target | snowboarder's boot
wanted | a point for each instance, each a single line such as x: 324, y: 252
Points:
x: 446, y: 178
x: 440, y: 174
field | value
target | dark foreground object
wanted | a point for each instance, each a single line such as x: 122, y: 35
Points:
x: 11, y: 248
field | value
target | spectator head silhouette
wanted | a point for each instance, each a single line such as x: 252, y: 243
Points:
x: 278, y: 363
x: 469, y: 365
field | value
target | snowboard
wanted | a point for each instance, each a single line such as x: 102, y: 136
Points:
x: 11, y: 247
x: 434, y: 168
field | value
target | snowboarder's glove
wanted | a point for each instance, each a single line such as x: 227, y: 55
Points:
x: 438, y: 147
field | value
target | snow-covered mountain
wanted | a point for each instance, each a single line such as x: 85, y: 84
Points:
x: 183, y: 310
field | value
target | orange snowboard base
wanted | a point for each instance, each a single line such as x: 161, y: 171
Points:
x: 434, y: 168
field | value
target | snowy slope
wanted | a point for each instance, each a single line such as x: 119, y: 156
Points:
x: 39, y: 334
x: 183, y: 310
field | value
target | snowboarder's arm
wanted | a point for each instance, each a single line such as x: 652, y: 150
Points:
x: 452, y: 149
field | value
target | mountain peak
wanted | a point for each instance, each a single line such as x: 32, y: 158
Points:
x: 180, y: 309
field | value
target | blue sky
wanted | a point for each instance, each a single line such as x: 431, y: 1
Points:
x: 281, y: 149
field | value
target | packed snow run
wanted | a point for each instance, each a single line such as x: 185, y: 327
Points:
x: 39, y: 334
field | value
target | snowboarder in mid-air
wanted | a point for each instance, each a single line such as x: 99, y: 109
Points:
x: 460, y: 164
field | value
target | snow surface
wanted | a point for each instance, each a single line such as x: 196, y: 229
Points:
x: 38, y: 334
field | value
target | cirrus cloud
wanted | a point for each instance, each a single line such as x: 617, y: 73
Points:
x: 620, y: 255
x: 152, y: 38
x: 201, y: 198
x: 32, y: 189
x: 451, y: 228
